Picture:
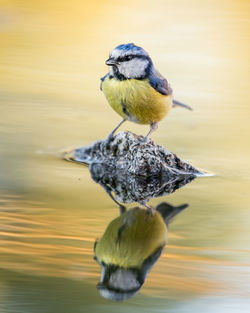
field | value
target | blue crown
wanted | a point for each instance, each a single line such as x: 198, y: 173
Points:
x: 128, y: 46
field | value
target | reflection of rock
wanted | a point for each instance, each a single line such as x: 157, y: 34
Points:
x: 127, y: 151
x: 129, y: 188
x: 130, y: 246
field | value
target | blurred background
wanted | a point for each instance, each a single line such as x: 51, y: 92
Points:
x: 52, y: 55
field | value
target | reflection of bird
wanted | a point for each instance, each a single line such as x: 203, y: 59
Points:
x: 130, y: 246
x: 135, y: 89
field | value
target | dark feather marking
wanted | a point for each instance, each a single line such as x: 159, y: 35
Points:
x: 119, y: 233
x: 102, y: 79
x: 124, y: 109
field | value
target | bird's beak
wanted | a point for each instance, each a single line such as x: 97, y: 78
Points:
x: 111, y: 62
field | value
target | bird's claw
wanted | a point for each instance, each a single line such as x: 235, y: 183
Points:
x: 145, y: 139
x: 109, y: 137
x: 151, y: 210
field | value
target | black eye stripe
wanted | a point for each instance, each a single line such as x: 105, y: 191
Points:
x: 130, y: 57
x: 125, y: 58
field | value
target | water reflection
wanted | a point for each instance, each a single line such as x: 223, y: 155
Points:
x: 129, y: 247
x: 129, y: 188
x: 133, y: 242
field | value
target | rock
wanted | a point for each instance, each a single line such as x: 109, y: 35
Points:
x: 129, y: 152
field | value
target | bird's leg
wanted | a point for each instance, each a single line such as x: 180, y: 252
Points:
x: 115, y: 129
x: 150, y: 209
x: 122, y: 208
x: 153, y: 127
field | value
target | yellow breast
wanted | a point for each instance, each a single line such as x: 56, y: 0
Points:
x: 142, y: 234
x: 136, y: 100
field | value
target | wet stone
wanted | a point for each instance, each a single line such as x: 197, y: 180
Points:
x: 129, y: 152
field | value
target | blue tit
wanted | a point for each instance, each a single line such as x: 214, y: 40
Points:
x: 135, y: 89
x: 130, y: 246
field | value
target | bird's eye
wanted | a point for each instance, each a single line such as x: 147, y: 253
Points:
x: 125, y: 58
x: 128, y: 57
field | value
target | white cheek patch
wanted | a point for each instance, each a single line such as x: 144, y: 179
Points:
x: 124, y: 280
x: 134, y: 68
x: 111, y: 71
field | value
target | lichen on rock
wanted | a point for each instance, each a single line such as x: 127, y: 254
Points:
x: 129, y: 152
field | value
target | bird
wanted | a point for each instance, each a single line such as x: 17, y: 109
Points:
x: 130, y: 246
x: 135, y: 89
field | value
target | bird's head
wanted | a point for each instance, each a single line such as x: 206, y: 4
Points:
x: 129, y: 61
x: 118, y: 283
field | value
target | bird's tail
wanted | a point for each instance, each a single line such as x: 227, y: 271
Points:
x: 168, y: 211
x: 177, y: 103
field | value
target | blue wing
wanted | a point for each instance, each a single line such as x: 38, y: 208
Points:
x: 159, y: 83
